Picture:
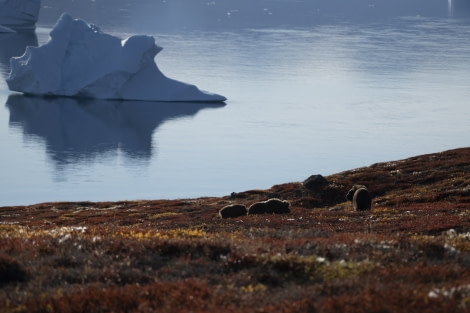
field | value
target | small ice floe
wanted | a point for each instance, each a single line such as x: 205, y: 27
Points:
x: 80, y: 60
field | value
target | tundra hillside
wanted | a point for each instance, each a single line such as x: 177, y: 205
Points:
x: 410, y: 252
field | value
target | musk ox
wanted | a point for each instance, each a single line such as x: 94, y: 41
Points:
x: 360, y: 197
x: 271, y: 206
x: 233, y: 210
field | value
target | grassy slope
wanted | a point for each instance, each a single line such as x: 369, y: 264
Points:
x: 412, y: 251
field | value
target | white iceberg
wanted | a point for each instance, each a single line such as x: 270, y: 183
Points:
x: 13, y: 45
x: 19, y: 14
x: 81, y: 61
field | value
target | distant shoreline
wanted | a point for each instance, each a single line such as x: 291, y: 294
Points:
x: 346, y: 175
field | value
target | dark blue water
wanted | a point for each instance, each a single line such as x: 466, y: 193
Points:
x: 312, y: 87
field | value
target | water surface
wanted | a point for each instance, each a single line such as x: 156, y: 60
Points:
x: 304, y: 97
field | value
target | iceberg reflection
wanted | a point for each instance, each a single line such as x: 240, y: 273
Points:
x: 81, y: 129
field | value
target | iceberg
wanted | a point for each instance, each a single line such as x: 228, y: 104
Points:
x: 80, y: 60
x: 13, y: 45
x: 19, y: 14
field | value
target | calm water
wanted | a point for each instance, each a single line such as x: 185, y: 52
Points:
x: 311, y: 90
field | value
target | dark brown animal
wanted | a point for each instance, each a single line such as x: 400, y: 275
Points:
x: 360, y: 197
x: 233, y: 210
x: 271, y: 206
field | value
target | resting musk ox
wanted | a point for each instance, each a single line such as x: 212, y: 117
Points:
x: 360, y: 197
x: 271, y: 206
x: 233, y: 210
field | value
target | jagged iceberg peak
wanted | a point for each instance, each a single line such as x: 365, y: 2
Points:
x: 19, y: 14
x: 80, y: 60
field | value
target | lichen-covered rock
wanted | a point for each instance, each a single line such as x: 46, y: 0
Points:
x: 271, y: 206
x: 315, y: 182
x: 360, y: 197
x: 233, y: 210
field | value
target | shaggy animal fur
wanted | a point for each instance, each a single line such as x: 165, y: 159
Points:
x: 360, y: 197
x: 271, y: 206
x: 233, y: 210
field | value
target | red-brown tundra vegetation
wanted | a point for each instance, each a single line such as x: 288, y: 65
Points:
x: 410, y: 253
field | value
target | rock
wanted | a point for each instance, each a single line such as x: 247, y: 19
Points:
x: 81, y: 61
x: 271, y: 206
x: 315, y: 182
x: 360, y: 197
x: 233, y: 210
